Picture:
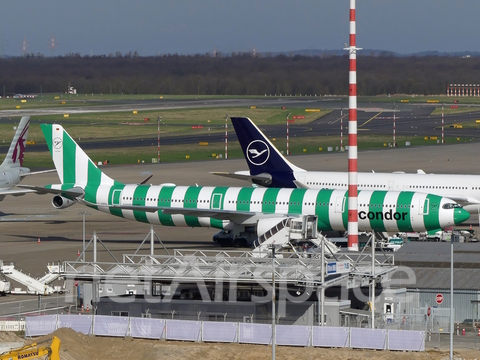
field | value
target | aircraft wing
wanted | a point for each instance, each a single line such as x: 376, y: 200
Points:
x: 233, y: 215
x: 264, y: 178
x: 469, y: 203
x: 28, y: 189
x: 16, y: 192
x: 72, y: 192
x: 239, y: 217
x: 37, y: 173
x: 463, y: 200
x: 300, y: 185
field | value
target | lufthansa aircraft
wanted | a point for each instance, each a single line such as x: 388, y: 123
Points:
x: 273, y: 169
x: 235, y: 208
x: 11, y: 169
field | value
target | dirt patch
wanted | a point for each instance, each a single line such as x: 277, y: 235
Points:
x: 79, y: 347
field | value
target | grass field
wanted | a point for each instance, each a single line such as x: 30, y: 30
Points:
x: 216, y: 151
x: 130, y: 125
x: 61, y: 100
x: 127, y: 125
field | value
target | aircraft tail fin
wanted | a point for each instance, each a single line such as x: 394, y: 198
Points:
x: 261, y: 155
x: 72, y: 164
x: 16, y: 151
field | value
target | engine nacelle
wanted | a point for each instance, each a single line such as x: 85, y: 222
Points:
x: 264, y: 225
x: 60, y: 202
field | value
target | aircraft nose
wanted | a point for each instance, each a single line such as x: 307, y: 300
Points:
x: 460, y: 215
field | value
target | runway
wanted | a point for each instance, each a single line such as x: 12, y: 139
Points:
x: 373, y: 119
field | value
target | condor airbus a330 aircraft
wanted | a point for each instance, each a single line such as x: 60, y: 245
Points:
x: 11, y: 169
x: 268, y: 167
x: 235, y: 208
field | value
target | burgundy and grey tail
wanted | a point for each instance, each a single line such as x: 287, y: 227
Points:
x: 16, y: 151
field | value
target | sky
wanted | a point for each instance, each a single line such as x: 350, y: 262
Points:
x: 153, y: 27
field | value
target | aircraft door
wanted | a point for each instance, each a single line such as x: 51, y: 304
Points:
x: 216, y: 202
x: 116, y: 197
x: 423, y: 206
x: 340, y: 204
x: 391, y: 185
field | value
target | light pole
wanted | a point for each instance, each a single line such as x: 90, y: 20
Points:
x: 273, y: 300
x: 159, y: 118
x: 19, y: 307
x: 84, y: 214
x: 322, y: 293
x: 341, y: 129
x: 226, y: 134
x: 83, y: 249
x: 394, y: 107
x: 373, y: 278
x: 451, y: 296
x: 288, y: 121
x: 443, y: 127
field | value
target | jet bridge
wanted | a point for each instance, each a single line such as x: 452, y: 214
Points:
x: 194, y: 266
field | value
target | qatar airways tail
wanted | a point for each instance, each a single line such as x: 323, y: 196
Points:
x: 12, y: 170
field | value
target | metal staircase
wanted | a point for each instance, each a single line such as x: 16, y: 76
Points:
x: 290, y: 233
x: 34, y: 285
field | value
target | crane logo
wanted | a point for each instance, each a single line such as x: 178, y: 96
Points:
x: 258, y: 152
x: 57, y: 143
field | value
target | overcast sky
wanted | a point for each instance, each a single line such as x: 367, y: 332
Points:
x: 153, y: 27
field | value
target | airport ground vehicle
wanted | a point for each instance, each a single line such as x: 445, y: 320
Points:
x: 4, y: 287
x: 35, y: 350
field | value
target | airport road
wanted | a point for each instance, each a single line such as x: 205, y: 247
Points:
x: 27, y: 218
x: 17, y: 306
x: 95, y: 106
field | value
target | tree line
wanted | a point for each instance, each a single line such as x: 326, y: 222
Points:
x: 237, y: 74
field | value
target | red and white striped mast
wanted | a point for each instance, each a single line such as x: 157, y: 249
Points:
x: 352, y: 136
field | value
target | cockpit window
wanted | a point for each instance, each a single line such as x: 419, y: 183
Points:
x: 451, y: 206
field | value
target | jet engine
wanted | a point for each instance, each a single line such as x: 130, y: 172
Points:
x: 60, y: 202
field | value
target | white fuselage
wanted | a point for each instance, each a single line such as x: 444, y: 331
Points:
x: 463, y: 188
x: 11, y: 177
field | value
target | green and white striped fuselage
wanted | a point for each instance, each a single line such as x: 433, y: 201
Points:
x: 236, y: 208
x: 379, y: 210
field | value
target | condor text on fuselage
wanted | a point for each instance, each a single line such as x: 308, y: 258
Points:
x: 379, y: 215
